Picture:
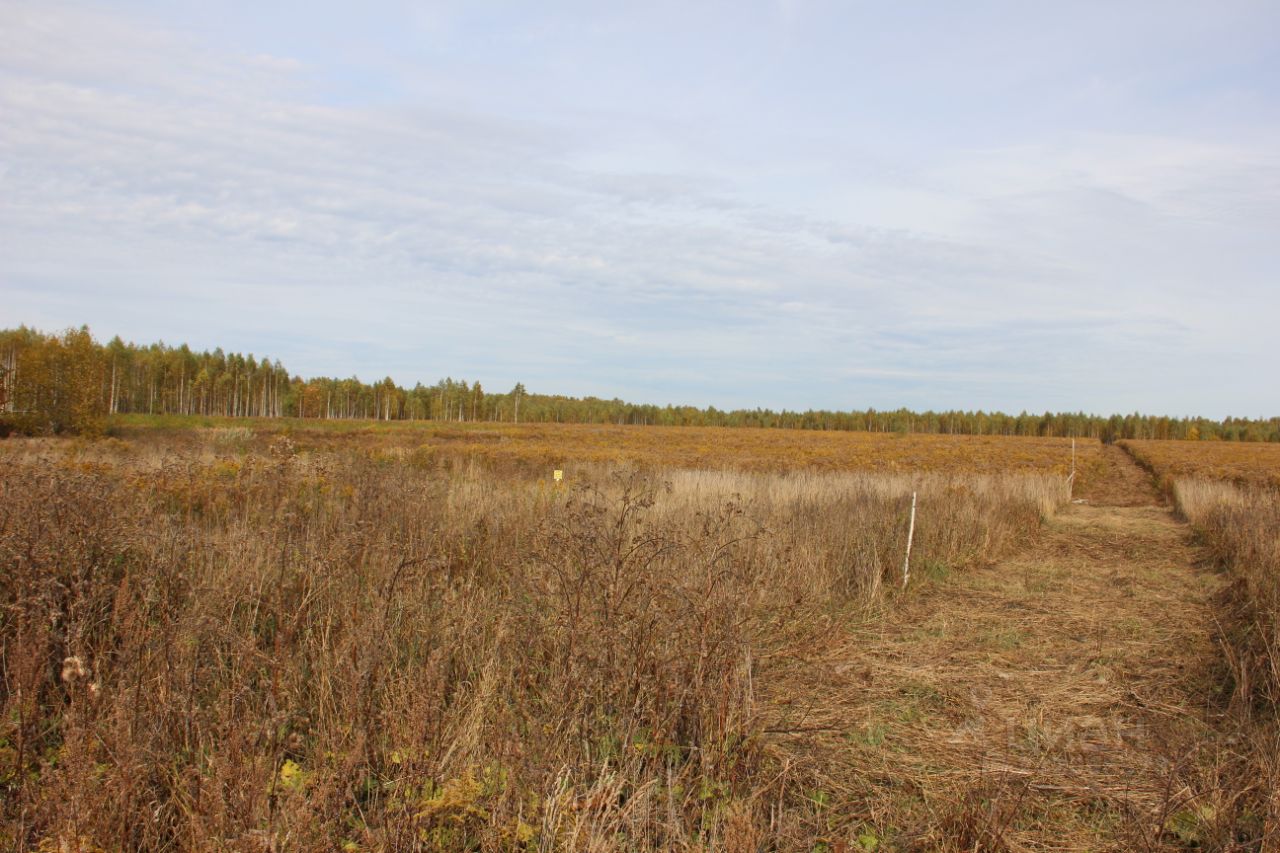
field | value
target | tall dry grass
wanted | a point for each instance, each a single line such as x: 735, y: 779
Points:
x: 1241, y: 527
x: 274, y: 650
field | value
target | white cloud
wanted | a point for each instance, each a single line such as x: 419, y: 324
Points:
x: 158, y: 184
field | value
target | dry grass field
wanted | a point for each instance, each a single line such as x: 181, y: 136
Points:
x: 1241, y: 526
x: 535, y: 448
x: 223, y: 641
x: 412, y: 638
x: 1241, y: 462
x: 1230, y: 494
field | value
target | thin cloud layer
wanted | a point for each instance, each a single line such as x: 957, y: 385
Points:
x: 705, y: 213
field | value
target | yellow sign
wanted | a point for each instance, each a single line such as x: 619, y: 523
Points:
x: 558, y: 475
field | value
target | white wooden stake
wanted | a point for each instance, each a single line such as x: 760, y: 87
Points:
x: 1071, y: 481
x: 911, y: 532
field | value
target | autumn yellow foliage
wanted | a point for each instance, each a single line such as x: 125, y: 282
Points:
x: 1240, y: 462
x: 415, y: 639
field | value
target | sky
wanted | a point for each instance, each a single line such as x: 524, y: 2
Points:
x: 984, y: 205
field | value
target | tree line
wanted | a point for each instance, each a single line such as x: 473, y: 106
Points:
x: 69, y: 382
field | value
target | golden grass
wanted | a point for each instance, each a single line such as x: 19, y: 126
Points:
x: 1240, y: 524
x: 1230, y: 492
x: 267, y: 641
x: 1235, y: 461
x: 536, y: 447
x: 1026, y: 705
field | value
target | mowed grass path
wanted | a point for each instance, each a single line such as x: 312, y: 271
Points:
x: 1059, y: 700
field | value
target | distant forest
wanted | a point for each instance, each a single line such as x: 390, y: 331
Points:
x: 69, y: 382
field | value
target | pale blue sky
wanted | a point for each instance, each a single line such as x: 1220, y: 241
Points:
x: 796, y: 204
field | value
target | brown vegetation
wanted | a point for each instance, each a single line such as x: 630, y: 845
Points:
x: 1068, y: 697
x: 1238, y: 462
x: 1057, y: 699
x: 1241, y: 527
x: 231, y: 640
x: 1231, y: 496
x: 534, y: 448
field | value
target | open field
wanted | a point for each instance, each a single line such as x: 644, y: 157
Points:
x: 536, y: 447
x: 1242, y: 462
x: 624, y: 427
x: 410, y: 638
x: 1230, y: 494
x: 270, y: 648
x: 1239, y: 526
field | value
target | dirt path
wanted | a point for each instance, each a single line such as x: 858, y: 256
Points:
x: 1045, y: 703
x: 1119, y: 483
